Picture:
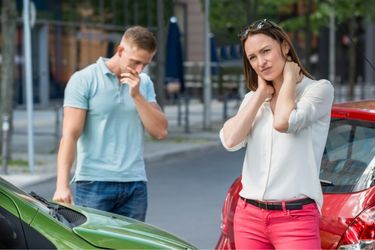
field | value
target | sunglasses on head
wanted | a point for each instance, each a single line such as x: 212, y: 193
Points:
x: 262, y: 24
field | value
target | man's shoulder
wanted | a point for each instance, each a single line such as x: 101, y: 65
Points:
x: 85, y: 75
x: 145, y: 77
x: 87, y: 71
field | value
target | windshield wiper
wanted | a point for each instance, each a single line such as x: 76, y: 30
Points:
x: 326, y: 183
x: 53, y: 209
x: 40, y: 198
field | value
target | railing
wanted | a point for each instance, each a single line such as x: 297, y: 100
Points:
x: 186, y: 110
x: 228, y: 87
x: 46, y: 123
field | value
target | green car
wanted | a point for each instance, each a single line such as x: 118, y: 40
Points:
x: 28, y: 221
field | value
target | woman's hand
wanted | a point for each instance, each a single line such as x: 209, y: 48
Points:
x: 265, y: 89
x: 292, y: 72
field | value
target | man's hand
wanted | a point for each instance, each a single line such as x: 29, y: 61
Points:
x: 63, y: 195
x: 131, y: 78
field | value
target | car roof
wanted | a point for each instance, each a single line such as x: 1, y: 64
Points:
x: 356, y: 110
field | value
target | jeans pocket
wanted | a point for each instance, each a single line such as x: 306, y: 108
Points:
x: 84, y: 183
x: 307, y: 213
x: 85, y: 193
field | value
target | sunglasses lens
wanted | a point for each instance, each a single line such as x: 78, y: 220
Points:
x: 256, y: 26
x: 259, y: 24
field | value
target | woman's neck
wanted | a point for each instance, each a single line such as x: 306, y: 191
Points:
x: 277, y: 84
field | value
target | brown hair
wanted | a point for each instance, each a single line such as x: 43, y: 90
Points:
x: 141, y: 38
x: 274, y: 31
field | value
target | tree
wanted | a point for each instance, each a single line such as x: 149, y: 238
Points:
x: 302, y: 17
x: 352, y: 13
x: 8, y: 26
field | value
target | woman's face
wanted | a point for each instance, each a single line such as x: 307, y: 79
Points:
x: 265, y: 56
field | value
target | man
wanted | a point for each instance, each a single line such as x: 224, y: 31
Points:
x: 107, y: 106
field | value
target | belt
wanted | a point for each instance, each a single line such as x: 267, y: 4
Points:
x: 277, y: 205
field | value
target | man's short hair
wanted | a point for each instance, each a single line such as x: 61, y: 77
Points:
x: 141, y: 38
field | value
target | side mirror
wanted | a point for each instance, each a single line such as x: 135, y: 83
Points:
x: 8, y: 235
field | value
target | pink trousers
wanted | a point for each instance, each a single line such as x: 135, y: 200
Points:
x: 256, y: 228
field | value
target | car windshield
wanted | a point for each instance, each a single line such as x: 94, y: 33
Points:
x: 348, y: 163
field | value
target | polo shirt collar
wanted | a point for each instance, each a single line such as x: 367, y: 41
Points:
x: 103, y: 67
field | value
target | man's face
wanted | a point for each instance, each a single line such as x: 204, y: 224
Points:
x: 131, y: 56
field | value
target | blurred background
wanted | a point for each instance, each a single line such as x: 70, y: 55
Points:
x: 68, y: 35
x: 199, y: 59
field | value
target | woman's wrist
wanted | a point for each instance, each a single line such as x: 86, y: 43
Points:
x: 263, y: 94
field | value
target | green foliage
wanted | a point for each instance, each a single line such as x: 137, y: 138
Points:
x: 272, y: 9
x: 229, y: 17
x: 346, y: 9
x: 114, y: 12
x: 15, y: 162
x: 319, y: 18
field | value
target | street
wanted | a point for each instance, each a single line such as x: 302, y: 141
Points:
x: 186, y: 194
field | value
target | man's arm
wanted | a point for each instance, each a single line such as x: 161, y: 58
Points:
x: 74, y: 121
x: 152, y: 117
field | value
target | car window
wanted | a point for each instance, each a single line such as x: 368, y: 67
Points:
x: 348, y: 162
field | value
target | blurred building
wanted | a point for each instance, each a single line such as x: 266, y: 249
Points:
x: 191, y: 21
x: 68, y: 35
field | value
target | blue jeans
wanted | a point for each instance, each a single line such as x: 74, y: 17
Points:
x: 124, y: 198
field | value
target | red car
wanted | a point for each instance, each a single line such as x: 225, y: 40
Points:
x: 348, y: 181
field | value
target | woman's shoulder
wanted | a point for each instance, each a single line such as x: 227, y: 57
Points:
x: 309, y: 83
x: 321, y: 88
x: 321, y: 81
x: 248, y: 96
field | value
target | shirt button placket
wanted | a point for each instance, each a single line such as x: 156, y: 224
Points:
x: 268, y: 151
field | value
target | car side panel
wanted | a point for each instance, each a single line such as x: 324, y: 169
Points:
x: 61, y: 236
x: 11, y: 233
x: 339, y: 211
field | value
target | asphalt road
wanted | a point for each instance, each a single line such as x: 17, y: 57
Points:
x: 185, y: 194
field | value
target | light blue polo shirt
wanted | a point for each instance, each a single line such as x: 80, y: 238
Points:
x: 110, y: 147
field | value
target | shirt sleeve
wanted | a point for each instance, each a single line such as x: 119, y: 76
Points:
x: 314, y: 104
x: 76, y: 93
x: 221, y: 133
x: 149, y: 93
x: 234, y: 148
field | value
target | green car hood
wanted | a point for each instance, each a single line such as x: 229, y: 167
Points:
x: 108, y: 230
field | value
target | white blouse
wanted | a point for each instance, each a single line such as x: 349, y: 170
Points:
x: 285, y: 166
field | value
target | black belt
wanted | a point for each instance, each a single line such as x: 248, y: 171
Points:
x: 270, y: 205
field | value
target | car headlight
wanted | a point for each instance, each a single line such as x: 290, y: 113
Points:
x: 361, y: 232
x: 361, y: 245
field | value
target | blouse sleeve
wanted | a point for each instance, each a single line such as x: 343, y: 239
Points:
x: 242, y: 143
x: 314, y: 104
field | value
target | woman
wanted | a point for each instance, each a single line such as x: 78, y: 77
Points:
x: 283, y: 122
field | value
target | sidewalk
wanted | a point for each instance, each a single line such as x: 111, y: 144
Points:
x: 178, y: 143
